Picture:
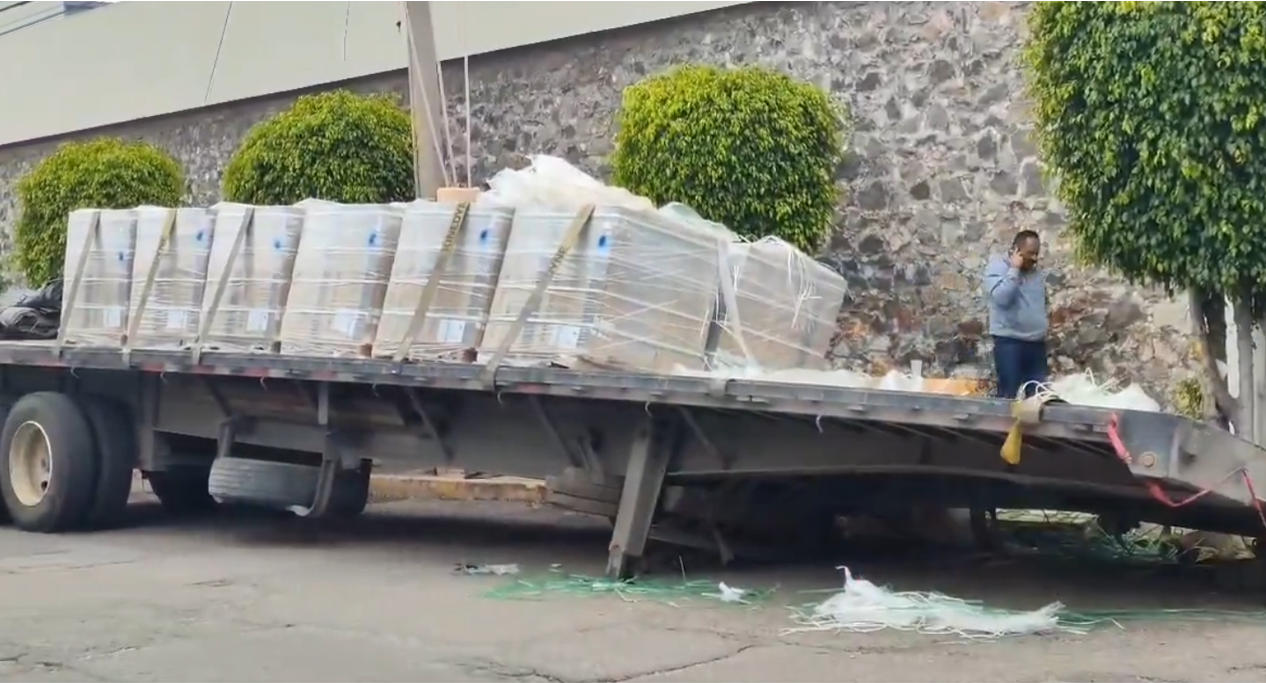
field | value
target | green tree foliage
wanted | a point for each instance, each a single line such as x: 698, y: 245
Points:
x: 1152, y: 116
x: 337, y: 146
x: 105, y: 173
x: 750, y: 148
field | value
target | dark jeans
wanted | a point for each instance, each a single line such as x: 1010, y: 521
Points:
x: 1018, y: 364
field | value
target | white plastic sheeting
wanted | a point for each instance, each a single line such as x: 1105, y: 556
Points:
x: 549, y: 182
x: 458, y: 312
x: 1082, y: 389
x: 783, y: 309
x: 173, y: 248
x: 636, y: 292
x: 252, y: 261
x: 100, y: 249
x: 340, y: 278
x: 774, y: 307
x: 635, y: 289
x: 1078, y: 389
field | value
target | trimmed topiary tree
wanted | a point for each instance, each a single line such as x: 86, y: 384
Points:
x: 751, y: 148
x: 105, y: 173
x: 1152, y: 118
x: 337, y: 146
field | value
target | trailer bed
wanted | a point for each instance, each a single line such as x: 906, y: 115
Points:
x: 643, y: 432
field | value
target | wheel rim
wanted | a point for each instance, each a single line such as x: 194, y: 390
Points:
x: 30, y: 463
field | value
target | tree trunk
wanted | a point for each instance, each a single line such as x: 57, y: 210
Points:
x: 1208, y: 315
x: 1244, y: 350
x: 1259, y: 382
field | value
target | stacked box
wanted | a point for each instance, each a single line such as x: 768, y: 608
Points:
x: 636, y: 293
x: 255, y: 280
x: 455, y: 320
x: 787, y: 304
x: 340, y: 278
x: 172, y: 309
x: 97, y: 296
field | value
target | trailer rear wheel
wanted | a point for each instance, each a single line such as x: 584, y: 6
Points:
x: 48, y: 463
x: 182, y: 489
x: 115, y: 437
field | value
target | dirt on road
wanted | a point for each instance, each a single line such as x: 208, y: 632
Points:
x: 240, y: 598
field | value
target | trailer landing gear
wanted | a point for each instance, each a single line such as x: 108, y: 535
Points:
x: 654, y: 446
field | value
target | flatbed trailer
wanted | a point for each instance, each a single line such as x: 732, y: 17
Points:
x: 304, y: 433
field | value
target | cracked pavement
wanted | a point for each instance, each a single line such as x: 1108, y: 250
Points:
x: 241, y: 598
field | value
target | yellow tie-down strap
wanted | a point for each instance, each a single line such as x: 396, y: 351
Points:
x: 1026, y: 411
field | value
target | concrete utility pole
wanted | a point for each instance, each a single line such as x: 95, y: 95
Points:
x: 425, y: 104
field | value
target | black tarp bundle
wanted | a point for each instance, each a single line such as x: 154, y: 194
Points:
x: 36, y: 315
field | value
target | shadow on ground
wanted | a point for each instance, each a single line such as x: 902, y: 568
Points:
x: 548, y: 541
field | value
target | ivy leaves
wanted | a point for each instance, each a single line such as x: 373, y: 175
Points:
x: 104, y: 173
x: 337, y: 146
x: 1152, y: 116
x: 750, y: 148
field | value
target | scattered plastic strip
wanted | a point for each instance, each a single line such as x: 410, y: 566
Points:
x: 632, y: 590
x: 487, y: 569
x: 1092, y: 619
x: 1086, y: 540
x: 863, y: 607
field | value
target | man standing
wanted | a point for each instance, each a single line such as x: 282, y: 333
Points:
x: 1016, y: 288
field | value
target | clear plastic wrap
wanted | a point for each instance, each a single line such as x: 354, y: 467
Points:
x: 551, y: 183
x: 100, y: 249
x: 172, y: 309
x: 1084, y: 390
x: 786, y: 305
x: 252, y: 261
x: 636, y: 292
x: 340, y: 278
x: 457, y: 314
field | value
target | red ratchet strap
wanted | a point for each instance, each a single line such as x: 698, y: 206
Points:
x: 1158, y: 493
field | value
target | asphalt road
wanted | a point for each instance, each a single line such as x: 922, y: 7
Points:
x: 264, y: 599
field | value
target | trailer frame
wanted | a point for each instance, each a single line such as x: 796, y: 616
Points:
x: 644, y: 434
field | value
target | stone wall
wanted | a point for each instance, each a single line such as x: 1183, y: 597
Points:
x: 942, y: 172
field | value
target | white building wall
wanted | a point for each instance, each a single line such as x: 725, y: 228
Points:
x: 133, y: 60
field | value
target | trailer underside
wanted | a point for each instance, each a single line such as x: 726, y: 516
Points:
x: 646, y: 449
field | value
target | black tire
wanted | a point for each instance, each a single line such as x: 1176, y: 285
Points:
x: 182, y: 489
x: 283, y: 486
x: 351, y: 491
x: 73, y: 458
x: 115, y: 438
x: 5, y: 518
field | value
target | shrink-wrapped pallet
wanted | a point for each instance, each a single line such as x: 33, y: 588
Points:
x: 784, y: 311
x: 100, y: 249
x: 248, y: 276
x: 169, y: 275
x: 340, y: 278
x: 635, y: 292
x: 456, y: 313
